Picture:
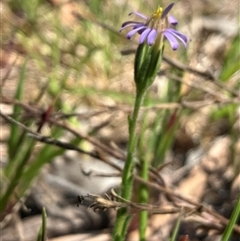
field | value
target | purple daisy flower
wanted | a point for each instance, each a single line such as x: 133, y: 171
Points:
x: 158, y: 23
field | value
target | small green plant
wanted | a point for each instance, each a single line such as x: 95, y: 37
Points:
x: 148, y: 60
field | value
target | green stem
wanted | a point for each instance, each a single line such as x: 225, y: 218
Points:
x: 144, y: 195
x: 123, y: 219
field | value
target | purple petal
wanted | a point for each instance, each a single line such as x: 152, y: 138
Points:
x: 172, y: 20
x: 171, y: 39
x: 178, y: 35
x: 139, y: 15
x: 130, y: 22
x: 152, y: 36
x: 144, y: 35
x: 132, y: 32
x: 141, y: 30
x: 167, y: 10
x: 134, y: 25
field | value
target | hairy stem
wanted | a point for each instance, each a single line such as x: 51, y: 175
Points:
x: 123, y: 218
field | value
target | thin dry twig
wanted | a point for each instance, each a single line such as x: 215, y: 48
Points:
x: 47, y: 139
x: 127, y: 109
x: 201, y: 207
x: 11, y: 66
x: 208, y: 90
x: 100, y: 203
x: 109, y: 201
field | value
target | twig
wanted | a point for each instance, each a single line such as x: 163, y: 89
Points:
x: 11, y: 66
x: 201, y: 207
x: 106, y: 202
x: 184, y: 104
x: 91, y: 140
x: 198, y: 86
x: 47, y: 139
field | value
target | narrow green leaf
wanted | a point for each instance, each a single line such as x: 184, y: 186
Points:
x: 154, y: 65
x: 231, y: 61
x: 15, y: 130
x: 176, y: 227
x: 141, y: 52
x: 24, y: 148
x: 42, y: 234
x: 17, y: 174
x: 233, y: 219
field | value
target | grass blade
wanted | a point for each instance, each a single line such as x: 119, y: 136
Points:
x: 176, y: 228
x: 234, y: 217
x: 15, y: 130
x: 42, y: 235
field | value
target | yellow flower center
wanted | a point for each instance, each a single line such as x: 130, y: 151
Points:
x: 155, y: 19
x: 158, y: 13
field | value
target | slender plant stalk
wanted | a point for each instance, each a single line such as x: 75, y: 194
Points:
x: 127, y: 177
x: 176, y: 227
x: 42, y: 234
x: 145, y: 160
x: 147, y: 62
x: 144, y: 195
